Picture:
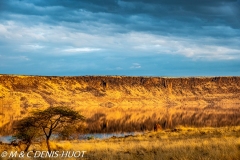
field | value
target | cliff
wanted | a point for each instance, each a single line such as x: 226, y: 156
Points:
x: 116, y: 95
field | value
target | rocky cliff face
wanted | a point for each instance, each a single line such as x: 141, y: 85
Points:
x: 115, y: 96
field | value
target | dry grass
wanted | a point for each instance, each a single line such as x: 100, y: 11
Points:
x: 184, y: 143
x: 180, y: 144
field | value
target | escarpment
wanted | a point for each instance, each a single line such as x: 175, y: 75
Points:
x: 149, y: 97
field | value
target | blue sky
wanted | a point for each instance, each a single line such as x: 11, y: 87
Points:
x: 120, y: 37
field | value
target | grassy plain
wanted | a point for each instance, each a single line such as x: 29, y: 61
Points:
x: 180, y: 143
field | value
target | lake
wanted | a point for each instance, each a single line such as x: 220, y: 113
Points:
x: 8, y: 139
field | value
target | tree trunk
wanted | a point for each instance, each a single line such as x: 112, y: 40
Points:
x: 48, y: 145
x: 27, y: 147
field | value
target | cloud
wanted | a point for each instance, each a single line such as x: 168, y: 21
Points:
x: 118, y: 32
x: 56, y: 41
x: 30, y: 47
x: 62, y: 40
x: 135, y: 66
x: 14, y: 58
x: 121, y: 12
x: 85, y: 49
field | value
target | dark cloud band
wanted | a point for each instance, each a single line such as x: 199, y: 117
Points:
x: 66, y: 32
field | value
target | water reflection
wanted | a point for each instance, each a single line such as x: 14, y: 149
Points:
x: 8, y: 139
x: 107, y: 135
x: 5, y: 139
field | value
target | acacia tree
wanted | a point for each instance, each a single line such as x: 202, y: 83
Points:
x: 49, y: 121
x: 55, y: 119
x: 27, y: 130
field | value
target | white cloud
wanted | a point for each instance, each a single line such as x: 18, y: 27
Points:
x: 55, y: 40
x: 135, y: 66
x: 193, y: 48
x: 14, y: 58
x: 29, y: 47
x: 3, y: 30
x: 85, y: 49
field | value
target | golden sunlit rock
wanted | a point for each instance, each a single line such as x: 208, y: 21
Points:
x: 126, y: 103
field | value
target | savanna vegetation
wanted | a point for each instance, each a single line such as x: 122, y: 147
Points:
x: 180, y: 143
x: 54, y: 120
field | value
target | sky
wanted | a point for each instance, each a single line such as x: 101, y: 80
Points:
x: 120, y: 37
